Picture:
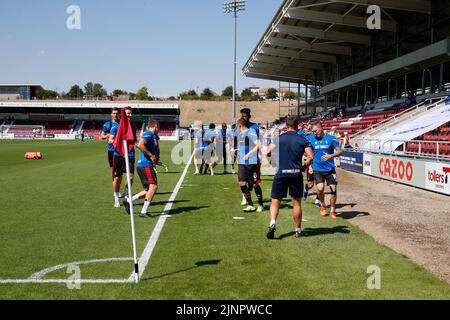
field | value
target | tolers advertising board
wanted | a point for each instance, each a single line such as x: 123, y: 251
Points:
x: 438, y: 177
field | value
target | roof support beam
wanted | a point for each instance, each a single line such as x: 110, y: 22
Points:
x: 299, y: 55
x: 420, y: 6
x: 300, y: 44
x: 272, y: 77
x: 325, y: 35
x: 290, y: 62
x: 277, y: 67
x: 284, y: 73
x: 325, y: 17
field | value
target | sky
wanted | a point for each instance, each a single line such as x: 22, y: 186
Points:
x: 169, y: 46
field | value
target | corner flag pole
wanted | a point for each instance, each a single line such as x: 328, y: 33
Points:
x: 130, y: 200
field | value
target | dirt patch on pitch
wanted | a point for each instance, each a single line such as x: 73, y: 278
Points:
x: 413, y: 222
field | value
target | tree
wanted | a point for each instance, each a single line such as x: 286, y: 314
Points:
x: 99, y: 91
x: 142, y: 94
x: 246, y: 93
x: 290, y: 95
x: 43, y: 94
x: 189, y: 95
x: 95, y: 90
x: 75, y: 92
x: 207, y: 94
x: 227, y: 92
x: 119, y: 92
x: 272, y: 93
x: 89, y: 88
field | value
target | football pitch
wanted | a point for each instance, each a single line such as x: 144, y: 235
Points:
x: 58, y: 212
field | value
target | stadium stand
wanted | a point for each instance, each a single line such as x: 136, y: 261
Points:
x: 435, y: 142
x: 71, y: 118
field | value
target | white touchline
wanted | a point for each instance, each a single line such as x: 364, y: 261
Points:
x: 146, y: 254
x: 93, y: 281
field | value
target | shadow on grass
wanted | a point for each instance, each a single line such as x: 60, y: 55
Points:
x: 311, y: 232
x: 170, y: 172
x: 197, y: 265
x: 179, y: 210
x: 165, y: 202
x: 352, y: 214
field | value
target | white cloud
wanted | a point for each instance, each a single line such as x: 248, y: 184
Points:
x: 41, y: 52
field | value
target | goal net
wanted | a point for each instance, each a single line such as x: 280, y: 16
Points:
x: 28, y: 129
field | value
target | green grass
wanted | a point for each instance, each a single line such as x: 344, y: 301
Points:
x: 60, y: 209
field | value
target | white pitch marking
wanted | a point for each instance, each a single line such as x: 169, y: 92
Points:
x: 145, y: 257
x: 28, y: 281
x: 42, y: 273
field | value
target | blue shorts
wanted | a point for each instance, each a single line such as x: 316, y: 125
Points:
x: 281, y: 185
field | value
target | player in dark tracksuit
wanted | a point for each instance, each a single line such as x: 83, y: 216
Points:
x: 291, y: 148
x: 221, y: 147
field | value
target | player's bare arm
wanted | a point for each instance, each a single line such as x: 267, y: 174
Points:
x: 104, y: 135
x: 309, y: 158
x: 269, y: 150
x: 257, y: 147
x: 332, y: 156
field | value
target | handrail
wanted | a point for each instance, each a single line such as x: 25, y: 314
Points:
x: 399, y: 117
x: 381, y: 147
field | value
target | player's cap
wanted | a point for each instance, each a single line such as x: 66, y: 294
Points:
x: 346, y: 133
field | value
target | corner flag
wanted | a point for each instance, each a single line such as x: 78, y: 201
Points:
x: 124, y: 141
x: 124, y: 133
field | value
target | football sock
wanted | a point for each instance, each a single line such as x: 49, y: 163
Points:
x: 333, y: 209
x: 247, y: 195
x: 116, y: 195
x: 272, y: 222
x: 135, y: 197
x: 145, y: 207
x: 259, y: 194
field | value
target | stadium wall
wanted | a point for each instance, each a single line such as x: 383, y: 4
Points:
x: 424, y: 174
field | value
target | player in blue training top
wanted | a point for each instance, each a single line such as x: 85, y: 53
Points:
x: 119, y: 167
x: 249, y: 146
x: 326, y: 148
x: 209, y: 138
x: 232, y: 137
x: 309, y: 170
x: 148, y: 159
x: 290, y: 147
x: 246, y: 115
x: 200, y: 146
x: 106, y: 130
